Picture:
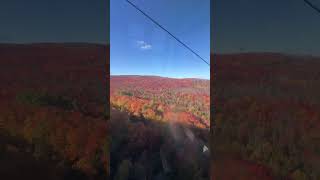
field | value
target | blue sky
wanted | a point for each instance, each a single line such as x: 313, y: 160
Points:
x: 287, y: 26
x: 34, y: 21
x: 139, y: 47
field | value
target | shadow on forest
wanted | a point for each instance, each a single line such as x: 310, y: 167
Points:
x: 149, y: 149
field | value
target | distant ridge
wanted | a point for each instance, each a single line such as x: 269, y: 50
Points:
x: 160, y: 77
x: 53, y: 44
x: 265, y: 54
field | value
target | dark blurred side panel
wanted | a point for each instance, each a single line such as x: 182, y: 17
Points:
x: 266, y: 101
x: 54, y: 82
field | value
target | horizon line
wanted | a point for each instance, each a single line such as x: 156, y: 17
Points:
x: 266, y: 52
x: 172, y: 77
x: 54, y: 42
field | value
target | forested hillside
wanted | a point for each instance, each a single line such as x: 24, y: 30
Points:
x: 266, y: 117
x: 53, y: 113
x: 159, y: 128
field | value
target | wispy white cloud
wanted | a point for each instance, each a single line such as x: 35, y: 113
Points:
x: 143, y: 45
x: 146, y: 46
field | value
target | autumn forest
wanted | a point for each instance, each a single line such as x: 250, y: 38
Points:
x: 53, y: 114
x: 159, y: 127
x: 61, y: 119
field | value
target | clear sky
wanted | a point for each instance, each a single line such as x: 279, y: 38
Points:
x: 288, y: 26
x: 33, y: 21
x: 139, y: 47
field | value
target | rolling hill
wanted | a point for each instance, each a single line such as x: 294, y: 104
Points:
x: 53, y: 111
x: 162, y: 97
x: 159, y: 127
x: 266, y: 117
